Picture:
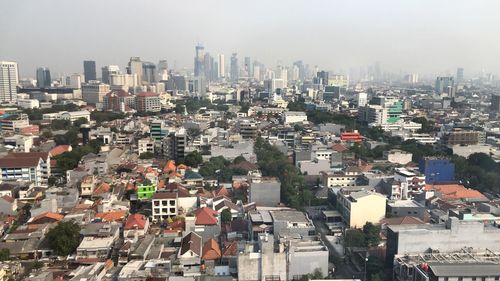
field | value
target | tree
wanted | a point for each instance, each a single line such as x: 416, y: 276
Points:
x: 80, y: 121
x: 239, y: 159
x: 146, y: 155
x: 4, y: 254
x: 193, y: 132
x: 64, y: 238
x: 371, y: 232
x: 193, y: 159
x: 354, y: 238
x: 60, y: 124
x: 226, y: 216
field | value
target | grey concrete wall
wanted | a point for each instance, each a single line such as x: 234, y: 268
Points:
x: 302, y: 263
x: 265, y: 194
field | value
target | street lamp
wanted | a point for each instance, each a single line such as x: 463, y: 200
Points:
x: 366, y: 260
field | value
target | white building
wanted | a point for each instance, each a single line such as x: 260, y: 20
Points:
x: 9, y: 78
x: 33, y: 167
x: 94, y: 92
x: 291, y: 117
x: 74, y: 115
x: 28, y: 103
x: 146, y: 145
x: 398, y: 156
x: 19, y: 143
x: 221, y: 71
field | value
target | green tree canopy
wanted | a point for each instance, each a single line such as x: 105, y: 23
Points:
x: 193, y: 159
x: 4, y: 254
x: 64, y: 238
x: 226, y: 216
x: 146, y: 155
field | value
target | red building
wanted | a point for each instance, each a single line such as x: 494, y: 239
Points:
x: 352, y: 137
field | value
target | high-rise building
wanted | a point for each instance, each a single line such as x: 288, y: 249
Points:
x: 302, y: 70
x: 149, y: 72
x: 460, y: 75
x: 199, y: 60
x: 94, y: 92
x: 43, y: 79
x: 321, y: 78
x: 235, y: 70
x: 162, y: 70
x: 208, y: 63
x: 248, y: 67
x: 135, y: 67
x: 89, y: 70
x: 107, y: 71
x: 495, y: 103
x: 9, y: 78
x: 221, y: 64
x: 445, y: 85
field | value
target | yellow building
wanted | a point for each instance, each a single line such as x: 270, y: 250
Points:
x: 359, y: 207
x: 338, y: 80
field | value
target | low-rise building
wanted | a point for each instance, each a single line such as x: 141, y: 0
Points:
x: 359, y: 207
x: 265, y: 192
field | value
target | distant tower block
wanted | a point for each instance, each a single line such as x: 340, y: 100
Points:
x: 85, y: 130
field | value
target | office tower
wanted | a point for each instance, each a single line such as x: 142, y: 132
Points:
x: 94, y: 92
x: 282, y: 73
x: 295, y: 73
x: 162, y: 70
x: 135, y: 67
x: 302, y: 70
x: 149, y: 72
x: 43, y: 77
x: 256, y: 72
x: 208, y: 62
x: 9, y: 78
x: 495, y: 103
x: 221, y: 63
x: 248, y: 67
x: 321, y: 78
x: 338, y: 80
x: 460, y: 75
x: 107, y: 71
x: 125, y: 81
x: 235, y: 70
x: 445, y: 85
x: 89, y: 70
x: 199, y: 60
x: 75, y: 81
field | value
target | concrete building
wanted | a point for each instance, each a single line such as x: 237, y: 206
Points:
x: 75, y: 115
x: 291, y: 117
x: 118, y: 101
x: 359, y: 207
x: 445, y: 238
x: 89, y: 70
x: 146, y: 145
x: 28, y: 103
x: 32, y: 166
x: 248, y: 129
x: 93, y: 92
x: 9, y: 78
x: 19, y: 143
x: 398, y: 156
x: 288, y: 259
x: 288, y: 223
x: 265, y: 192
x: 147, y: 102
x: 465, y: 264
x: 15, y: 123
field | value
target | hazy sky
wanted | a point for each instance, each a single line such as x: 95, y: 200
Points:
x: 405, y: 35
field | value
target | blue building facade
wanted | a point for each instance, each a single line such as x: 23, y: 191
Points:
x: 437, y: 170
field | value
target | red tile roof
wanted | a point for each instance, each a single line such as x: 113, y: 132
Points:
x: 206, y: 216
x: 111, y: 216
x: 49, y: 215
x: 60, y: 149
x: 454, y: 191
x: 22, y: 160
x: 135, y: 221
x: 211, y: 250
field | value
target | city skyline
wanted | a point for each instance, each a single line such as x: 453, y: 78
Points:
x: 418, y: 38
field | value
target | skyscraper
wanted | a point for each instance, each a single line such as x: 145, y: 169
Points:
x: 149, y: 72
x: 162, y: 70
x: 460, y: 75
x: 208, y: 63
x: 107, y: 71
x: 248, y: 67
x: 9, y: 78
x: 235, y: 70
x: 89, y: 70
x: 199, y: 60
x: 43, y: 79
x: 135, y: 67
x: 221, y: 67
x: 321, y: 78
x: 495, y: 103
x: 445, y: 85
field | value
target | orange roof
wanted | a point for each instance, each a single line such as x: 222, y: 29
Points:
x: 339, y: 147
x: 135, y: 221
x: 222, y: 191
x: 169, y: 167
x: 211, y: 250
x: 230, y: 249
x: 181, y: 167
x: 103, y: 188
x: 60, y: 149
x: 206, y: 216
x: 49, y: 215
x: 111, y: 216
x: 454, y: 191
